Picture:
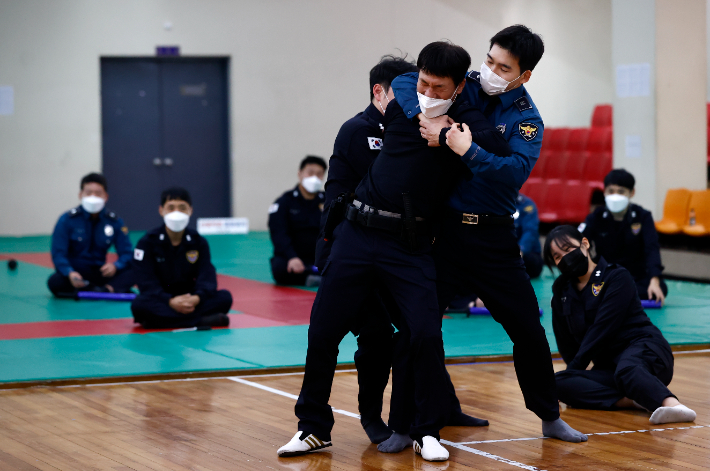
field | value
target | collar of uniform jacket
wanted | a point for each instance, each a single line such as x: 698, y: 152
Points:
x: 507, y: 99
x: 374, y: 114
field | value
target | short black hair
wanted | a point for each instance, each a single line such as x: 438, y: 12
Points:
x: 621, y: 177
x: 444, y: 59
x: 313, y: 159
x: 389, y: 68
x: 522, y: 43
x: 94, y: 178
x: 175, y: 193
x: 562, y: 236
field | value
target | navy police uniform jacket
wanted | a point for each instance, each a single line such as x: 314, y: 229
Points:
x: 631, y: 242
x: 294, y: 224
x: 496, y: 178
x: 165, y: 271
x: 357, y: 144
x: 527, y: 225
x: 598, y: 323
x: 80, y: 242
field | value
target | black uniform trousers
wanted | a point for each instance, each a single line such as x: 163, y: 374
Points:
x: 373, y: 357
x: 641, y: 373
x: 533, y: 264
x: 485, y: 259
x: 153, y: 312
x: 279, y: 270
x: 121, y: 282
x: 363, y: 259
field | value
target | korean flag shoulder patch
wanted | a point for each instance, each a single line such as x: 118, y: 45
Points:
x: 375, y: 143
x: 528, y: 131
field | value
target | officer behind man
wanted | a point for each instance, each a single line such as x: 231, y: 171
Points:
x: 624, y: 233
x: 174, y: 271
x: 80, y: 241
x: 294, y: 223
x: 386, y: 240
x: 476, y: 248
x: 527, y: 230
x: 356, y: 146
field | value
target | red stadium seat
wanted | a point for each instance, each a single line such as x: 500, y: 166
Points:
x: 597, y: 166
x: 552, y: 205
x: 576, y: 154
x: 556, y: 156
x: 708, y: 113
x: 600, y: 139
x: 602, y: 116
x: 535, y: 190
x: 578, y: 200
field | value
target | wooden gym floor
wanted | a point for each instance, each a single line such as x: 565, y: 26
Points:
x: 239, y: 422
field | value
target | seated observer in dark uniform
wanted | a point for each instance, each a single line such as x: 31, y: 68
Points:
x: 294, y: 223
x: 598, y: 318
x: 174, y: 271
x: 81, y: 240
x: 624, y: 233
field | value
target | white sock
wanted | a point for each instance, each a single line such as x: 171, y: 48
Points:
x: 679, y: 413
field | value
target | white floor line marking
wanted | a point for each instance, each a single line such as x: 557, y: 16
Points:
x: 459, y: 446
x: 588, y: 434
x: 690, y: 351
x: 285, y: 394
x: 350, y: 414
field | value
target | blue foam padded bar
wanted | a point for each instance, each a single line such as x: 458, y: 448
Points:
x: 482, y: 311
x: 106, y: 296
x: 650, y: 304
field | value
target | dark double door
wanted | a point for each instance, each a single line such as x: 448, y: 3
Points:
x: 165, y: 123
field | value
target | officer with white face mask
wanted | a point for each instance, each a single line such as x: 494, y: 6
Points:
x: 294, y: 225
x: 624, y: 233
x: 174, y: 272
x: 81, y: 240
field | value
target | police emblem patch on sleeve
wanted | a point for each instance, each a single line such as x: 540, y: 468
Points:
x: 375, y: 143
x: 124, y: 229
x: 636, y: 228
x: 528, y: 131
x: 192, y: 256
x: 597, y: 288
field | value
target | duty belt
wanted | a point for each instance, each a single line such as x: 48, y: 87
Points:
x: 483, y: 219
x: 371, y: 217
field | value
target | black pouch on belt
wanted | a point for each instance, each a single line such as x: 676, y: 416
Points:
x: 336, y: 213
x: 409, y: 223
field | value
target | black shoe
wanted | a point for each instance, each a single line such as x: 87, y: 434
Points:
x: 214, y: 320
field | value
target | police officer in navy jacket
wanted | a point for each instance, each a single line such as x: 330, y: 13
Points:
x: 477, y: 248
x: 624, y: 233
x: 597, y: 317
x: 80, y: 241
x: 527, y: 230
x: 174, y: 271
x: 294, y: 224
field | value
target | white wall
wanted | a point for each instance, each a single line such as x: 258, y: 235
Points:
x: 298, y: 70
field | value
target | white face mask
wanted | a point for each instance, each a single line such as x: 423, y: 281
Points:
x: 492, y: 83
x: 176, y: 221
x: 312, y: 184
x: 616, y: 203
x: 92, y: 204
x: 433, y: 107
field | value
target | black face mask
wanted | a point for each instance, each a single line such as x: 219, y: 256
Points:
x: 574, y: 264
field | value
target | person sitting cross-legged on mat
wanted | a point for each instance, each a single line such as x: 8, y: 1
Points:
x: 81, y: 240
x: 176, y: 278
x: 597, y: 317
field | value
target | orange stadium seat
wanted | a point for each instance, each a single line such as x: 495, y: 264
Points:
x: 675, y: 211
x: 602, y: 116
x: 699, y: 207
